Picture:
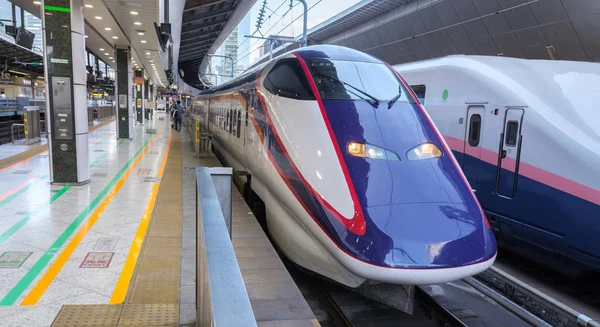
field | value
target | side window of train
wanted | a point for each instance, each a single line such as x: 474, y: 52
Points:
x: 287, y: 79
x: 512, y: 133
x: 420, y: 92
x: 239, y: 123
x: 474, y: 130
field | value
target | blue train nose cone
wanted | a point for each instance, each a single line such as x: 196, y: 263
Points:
x: 434, y: 234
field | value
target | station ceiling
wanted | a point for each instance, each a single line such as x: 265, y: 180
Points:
x: 16, y: 57
x: 399, y: 31
x: 112, y: 23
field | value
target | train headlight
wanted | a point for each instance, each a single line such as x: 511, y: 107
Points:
x: 424, y: 151
x: 365, y: 150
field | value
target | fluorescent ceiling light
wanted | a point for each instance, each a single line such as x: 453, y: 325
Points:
x: 143, y: 41
x: 16, y: 72
x: 98, y: 17
x: 138, y: 23
x: 89, y: 6
x: 107, y: 29
x: 115, y: 37
x: 133, y: 12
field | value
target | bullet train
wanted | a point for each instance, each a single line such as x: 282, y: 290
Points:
x: 357, y: 182
x: 527, y: 136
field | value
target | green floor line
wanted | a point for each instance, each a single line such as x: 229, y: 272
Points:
x: 39, y: 266
x: 14, y: 228
x: 21, y: 191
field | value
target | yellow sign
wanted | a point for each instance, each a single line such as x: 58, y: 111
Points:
x: 197, y: 132
x: 139, y: 103
x: 25, y: 122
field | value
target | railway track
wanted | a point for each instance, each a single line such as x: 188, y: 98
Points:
x: 556, y: 299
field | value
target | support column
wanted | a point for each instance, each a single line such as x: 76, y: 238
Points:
x: 139, y: 96
x: 125, y: 117
x: 146, y: 96
x: 66, y: 89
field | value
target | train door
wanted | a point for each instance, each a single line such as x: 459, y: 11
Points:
x: 471, y: 159
x: 247, y: 126
x: 509, y: 153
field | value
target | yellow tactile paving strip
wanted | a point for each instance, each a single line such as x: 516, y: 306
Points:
x: 35, y: 150
x: 153, y: 296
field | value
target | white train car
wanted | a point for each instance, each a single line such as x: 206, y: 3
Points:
x: 358, y: 184
x: 527, y: 135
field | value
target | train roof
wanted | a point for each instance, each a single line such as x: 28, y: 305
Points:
x: 565, y: 93
x: 333, y: 52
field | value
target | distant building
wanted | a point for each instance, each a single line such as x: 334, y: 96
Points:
x: 243, y: 42
x: 278, y: 40
x: 34, y: 25
x: 229, y: 49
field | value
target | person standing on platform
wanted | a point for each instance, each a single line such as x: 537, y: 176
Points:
x: 2, y: 95
x: 178, y: 116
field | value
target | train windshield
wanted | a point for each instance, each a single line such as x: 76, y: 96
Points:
x: 355, y: 80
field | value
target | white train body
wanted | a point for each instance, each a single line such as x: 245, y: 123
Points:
x: 545, y: 117
x: 333, y: 213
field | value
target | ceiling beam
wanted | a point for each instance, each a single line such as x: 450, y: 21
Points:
x: 194, y: 51
x: 201, y: 27
x: 195, y: 43
x: 192, y: 57
x: 199, y: 18
x: 200, y: 37
x: 203, y: 5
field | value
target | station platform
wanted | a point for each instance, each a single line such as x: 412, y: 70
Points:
x: 121, y: 250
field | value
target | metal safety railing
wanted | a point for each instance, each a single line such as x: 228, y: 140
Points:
x: 12, y: 131
x: 221, y: 296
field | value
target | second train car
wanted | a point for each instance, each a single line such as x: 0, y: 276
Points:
x: 357, y: 182
x: 527, y: 135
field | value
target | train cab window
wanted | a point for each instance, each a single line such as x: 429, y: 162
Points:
x: 420, y: 92
x: 356, y: 80
x: 287, y: 79
x: 474, y: 130
x: 512, y: 133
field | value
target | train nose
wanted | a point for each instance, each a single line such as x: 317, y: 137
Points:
x: 442, y: 235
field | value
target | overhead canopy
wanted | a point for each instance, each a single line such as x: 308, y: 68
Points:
x: 19, y: 58
x: 205, y: 25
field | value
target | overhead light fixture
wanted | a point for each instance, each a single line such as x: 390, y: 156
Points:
x: 140, y: 33
x: 138, y: 23
x: 37, y: 3
x: 86, y: 36
x: 133, y: 12
x: 111, y: 58
x: 89, y: 6
x: 49, y: 13
x: 143, y: 41
x: 107, y: 54
x: 16, y: 72
x: 101, y: 49
x: 552, y: 52
x: 148, y: 53
x: 108, y: 29
x: 151, y: 61
x: 98, y: 17
x: 115, y: 37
